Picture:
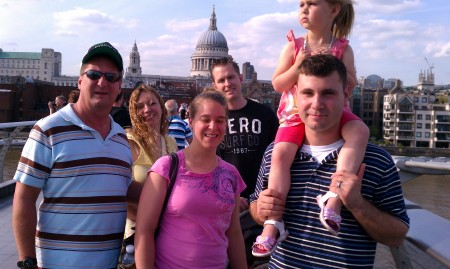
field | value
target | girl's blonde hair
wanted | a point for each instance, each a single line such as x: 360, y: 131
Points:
x: 144, y: 133
x: 343, y: 23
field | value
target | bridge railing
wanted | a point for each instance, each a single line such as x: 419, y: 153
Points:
x: 428, y: 232
x: 10, y: 132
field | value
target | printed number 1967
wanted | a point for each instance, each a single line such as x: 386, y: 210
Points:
x: 240, y: 150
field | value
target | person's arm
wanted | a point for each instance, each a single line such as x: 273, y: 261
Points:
x: 153, y: 194
x: 24, y: 219
x: 270, y: 203
x: 286, y: 73
x: 352, y: 153
x: 349, y: 61
x: 381, y: 226
x: 243, y: 204
x: 51, y: 107
x: 134, y: 190
x: 236, y: 245
x: 133, y: 195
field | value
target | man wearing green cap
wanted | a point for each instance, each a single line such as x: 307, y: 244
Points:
x: 81, y: 161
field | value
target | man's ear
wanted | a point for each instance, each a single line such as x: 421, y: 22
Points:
x: 347, y: 91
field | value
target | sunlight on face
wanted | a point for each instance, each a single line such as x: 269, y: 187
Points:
x: 209, y: 124
x: 149, y: 109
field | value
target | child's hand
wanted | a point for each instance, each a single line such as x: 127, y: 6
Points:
x: 321, y: 50
x: 302, y: 54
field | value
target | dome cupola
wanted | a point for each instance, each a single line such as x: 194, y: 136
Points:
x: 211, y: 45
x: 212, y: 38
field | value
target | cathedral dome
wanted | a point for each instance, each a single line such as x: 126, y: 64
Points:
x: 211, y: 45
x: 212, y: 38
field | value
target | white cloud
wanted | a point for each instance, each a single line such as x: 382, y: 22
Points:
x: 89, y: 20
x: 176, y: 25
x: 67, y: 33
x: 438, y: 49
x: 260, y: 40
x: 81, y: 18
x: 387, y: 6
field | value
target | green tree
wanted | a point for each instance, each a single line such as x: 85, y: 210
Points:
x: 374, y: 132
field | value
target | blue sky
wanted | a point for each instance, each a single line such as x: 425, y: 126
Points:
x: 390, y: 38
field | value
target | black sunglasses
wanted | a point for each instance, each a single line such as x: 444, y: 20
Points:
x: 96, y: 75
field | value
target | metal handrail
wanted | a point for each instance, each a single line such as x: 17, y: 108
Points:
x: 8, y: 141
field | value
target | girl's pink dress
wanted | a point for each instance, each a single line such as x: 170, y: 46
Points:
x: 287, y: 110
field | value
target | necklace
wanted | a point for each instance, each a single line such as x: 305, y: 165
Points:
x: 305, y: 42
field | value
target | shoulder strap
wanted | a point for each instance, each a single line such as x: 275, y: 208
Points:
x: 298, y: 43
x: 172, y: 175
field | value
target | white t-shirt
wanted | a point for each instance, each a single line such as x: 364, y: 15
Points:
x: 320, y: 152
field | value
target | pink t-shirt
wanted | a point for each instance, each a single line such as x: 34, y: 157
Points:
x: 287, y: 110
x: 192, y: 232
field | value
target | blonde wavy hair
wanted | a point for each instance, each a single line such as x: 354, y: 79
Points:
x: 343, y: 23
x: 145, y: 134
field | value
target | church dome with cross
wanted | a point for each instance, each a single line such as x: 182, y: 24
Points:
x: 211, y: 45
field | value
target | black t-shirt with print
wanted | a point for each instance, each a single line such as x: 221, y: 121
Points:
x: 250, y: 130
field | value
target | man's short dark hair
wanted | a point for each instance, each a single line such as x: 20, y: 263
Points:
x: 322, y: 65
x: 221, y: 62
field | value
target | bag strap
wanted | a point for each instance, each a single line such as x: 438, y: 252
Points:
x: 173, y: 176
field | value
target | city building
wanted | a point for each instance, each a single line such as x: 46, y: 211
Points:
x: 211, y: 45
x: 416, y: 119
x: 42, y: 65
x: 372, y: 82
x: 426, y: 81
x: 367, y: 104
x: 134, y: 68
x: 248, y: 71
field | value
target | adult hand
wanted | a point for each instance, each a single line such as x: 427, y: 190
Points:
x: 50, y: 104
x: 348, y: 186
x: 270, y: 204
x: 243, y: 204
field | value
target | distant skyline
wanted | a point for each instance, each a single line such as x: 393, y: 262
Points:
x: 390, y: 38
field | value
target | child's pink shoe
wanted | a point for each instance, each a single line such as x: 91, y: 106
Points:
x: 329, y: 218
x: 265, y: 245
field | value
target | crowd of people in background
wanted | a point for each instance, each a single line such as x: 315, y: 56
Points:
x: 315, y: 198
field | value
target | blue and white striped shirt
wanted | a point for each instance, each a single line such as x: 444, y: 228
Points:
x: 179, y: 130
x: 309, y: 244
x: 84, y: 179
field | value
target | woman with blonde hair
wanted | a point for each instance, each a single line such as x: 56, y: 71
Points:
x: 148, y: 136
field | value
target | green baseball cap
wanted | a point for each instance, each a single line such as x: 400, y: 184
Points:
x: 107, y: 50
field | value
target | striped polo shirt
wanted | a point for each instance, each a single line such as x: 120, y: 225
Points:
x: 179, y: 130
x: 84, y: 179
x: 309, y: 244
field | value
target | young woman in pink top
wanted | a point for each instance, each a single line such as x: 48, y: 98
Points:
x: 327, y: 22
x: 200, y: 227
